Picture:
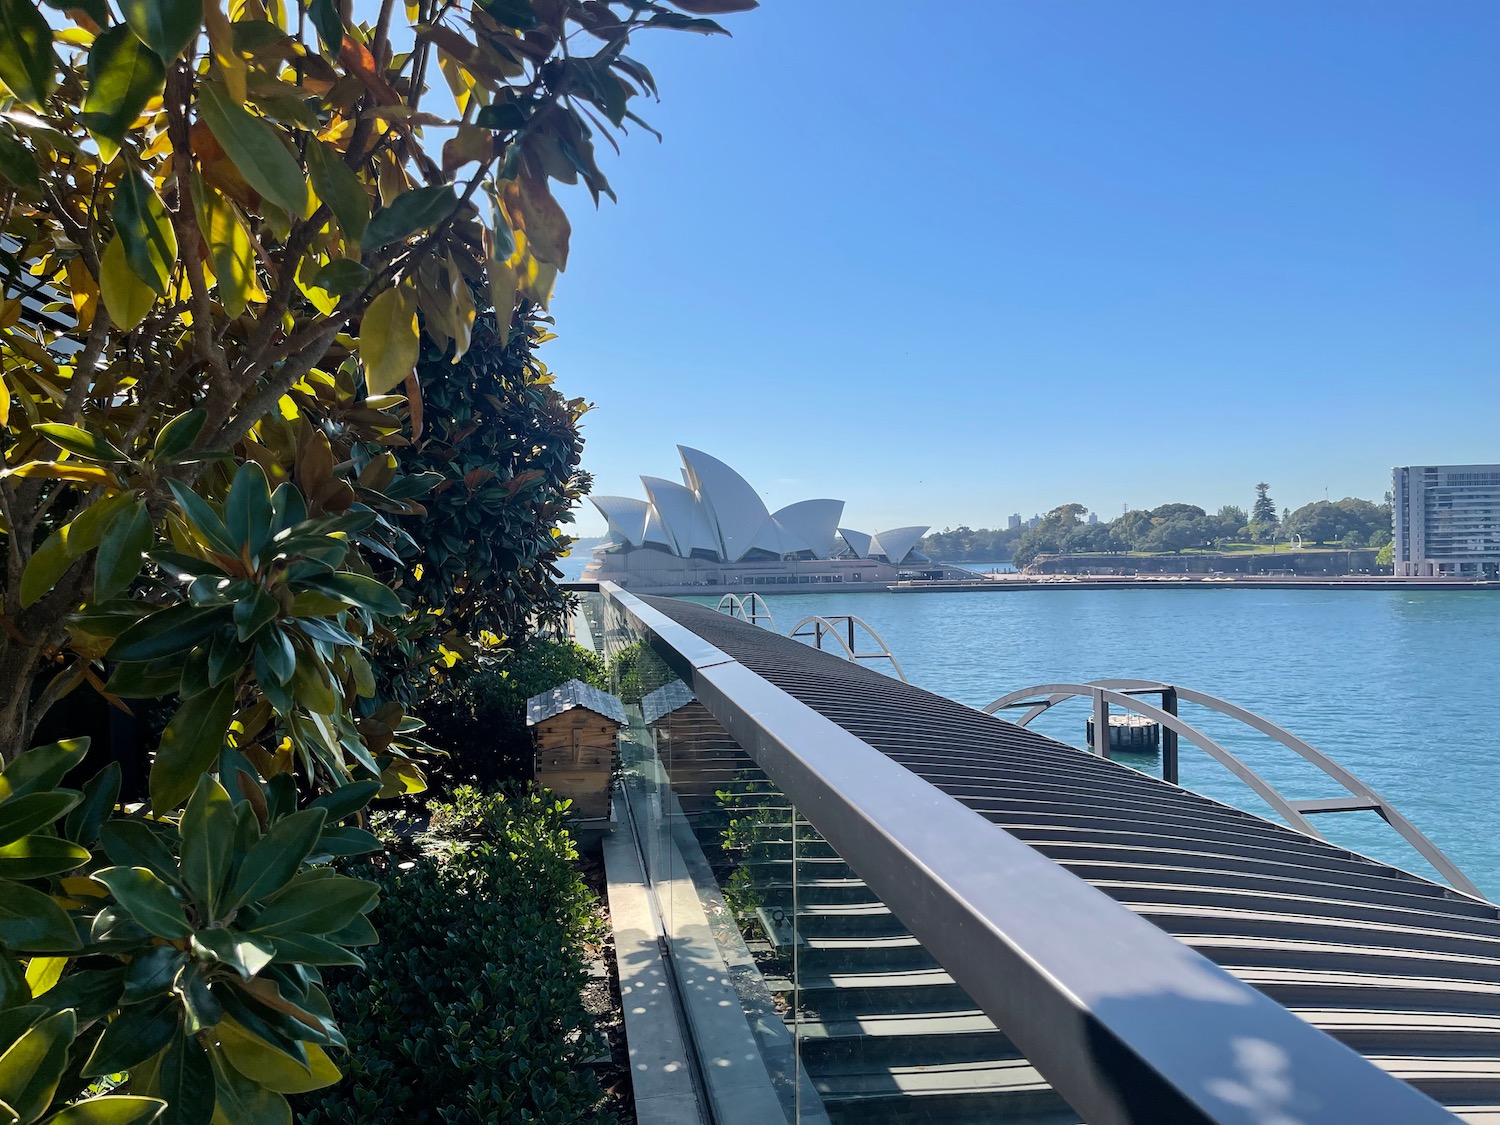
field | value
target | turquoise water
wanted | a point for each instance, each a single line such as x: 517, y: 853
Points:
x: 1399, y: 687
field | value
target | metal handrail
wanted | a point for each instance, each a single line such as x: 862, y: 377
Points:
x: 1127, y: 1023
x: 752, y: 608
x: 1120, y: 692
x: 829, y: 626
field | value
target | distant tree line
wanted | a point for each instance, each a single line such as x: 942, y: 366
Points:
x: 1171, y: 528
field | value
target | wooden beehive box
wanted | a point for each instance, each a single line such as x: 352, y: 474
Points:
x: 576, y: 728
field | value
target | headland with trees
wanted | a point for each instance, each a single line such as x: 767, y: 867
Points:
x: 1175, y: 528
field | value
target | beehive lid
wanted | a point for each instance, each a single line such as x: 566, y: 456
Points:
x: 665, y: 700
x: 574, y: 693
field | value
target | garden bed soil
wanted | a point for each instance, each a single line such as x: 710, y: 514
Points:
x: 601, y: 996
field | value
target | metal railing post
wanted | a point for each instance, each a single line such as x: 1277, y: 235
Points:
x: 1169, y: 737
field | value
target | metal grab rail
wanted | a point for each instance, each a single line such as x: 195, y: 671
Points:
x: 1128, y: 1024
x: 841, y: 628
x: 752, y: 608
x: 1123, y: 692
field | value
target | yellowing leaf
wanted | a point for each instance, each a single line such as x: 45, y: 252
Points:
x: 126, y: 296
x: 63, y: 470
x: 230, y: 248
x: 257, y: 1060
x: 388, y: 340
x: 43, y: 972
x: 221, y: 42
x: 83, y: 290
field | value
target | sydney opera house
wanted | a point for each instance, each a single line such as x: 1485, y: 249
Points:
x: 713, y: 530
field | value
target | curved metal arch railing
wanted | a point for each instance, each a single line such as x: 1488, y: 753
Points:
x: 1124, y: 692
x: 751, y: 607
x: 841, y: 628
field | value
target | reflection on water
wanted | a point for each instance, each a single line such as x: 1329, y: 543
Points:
x: 1393, y: 684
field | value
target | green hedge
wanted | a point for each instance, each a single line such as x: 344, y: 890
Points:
x: 470, y: 1009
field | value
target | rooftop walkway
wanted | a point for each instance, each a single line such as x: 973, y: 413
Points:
x: 1403, y: 970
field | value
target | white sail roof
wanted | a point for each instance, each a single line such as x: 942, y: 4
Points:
x: 625, y: 515
x: 858, y: 541
x: 897, y: 543
x: 683, y: 517
x: 814, y: 522
x: 734, y: 506
x: 655, y: 535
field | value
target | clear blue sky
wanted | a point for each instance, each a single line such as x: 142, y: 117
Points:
x: 951, y: 261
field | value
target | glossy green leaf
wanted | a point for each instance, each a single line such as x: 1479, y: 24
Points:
x: 168, y: 27
x: 147, y: 899
x: 342, y: 276
x: 152, y: 972
x: 17, y: 165
x: 32, y: 1067
x: 186, y: 1080
x: 111, y: 1109
x: 190, y: 744
x: 17, y: 1017
x: 341, y: 842
x: 411, y: 212
x: 35, y: 857
x: 31, y: 922
x: 133, y: 1036
x: 305, y: 949
x: 244, y: 953
x: 518, y: 14
x: 144, y: 680
x: 277, y: 857
x: 346, y: 800
x: 26, y: 814
x: 80, y: 442
x: 122, y: 552
x: 247, y: 510
x: 204, y: 519
x: 337, y: 185
x: 122, y: 77
x: 314, y: 905
x: 207, y: 829
x: 360, y: 591
x: 133, y: 843
x: 42, y: 767
x: 199, y: 1001
x: 28, y: 64
x: 47, y: 565
x: 142, y: 225
x: 325, y: 17
x: 91, y: 525
x: 167, y: 632
x: 254, y: 613
x: 92, y: 993
x: 99, y: 797
x: 245, y: 1101
x: 178, y: 435
x: 256, y: 150
x: 274, y: 650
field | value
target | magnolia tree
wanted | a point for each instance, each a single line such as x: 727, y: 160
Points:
x: 228, y: 230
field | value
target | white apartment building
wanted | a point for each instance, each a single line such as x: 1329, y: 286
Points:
x: 1447, y: 521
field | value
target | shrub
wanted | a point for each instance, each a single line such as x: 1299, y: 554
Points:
x: 471, y: 1007
x: 479, y: 717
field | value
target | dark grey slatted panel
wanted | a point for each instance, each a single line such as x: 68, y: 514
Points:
x: 1401, y: 968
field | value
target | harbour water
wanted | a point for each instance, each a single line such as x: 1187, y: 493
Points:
x: 1398, y: 686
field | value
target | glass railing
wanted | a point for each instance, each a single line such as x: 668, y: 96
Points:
x: 873, y: 952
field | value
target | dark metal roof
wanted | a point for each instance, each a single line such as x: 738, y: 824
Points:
x: 574, y: 693
x: 1402, y: 969
x: 664, y: 700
